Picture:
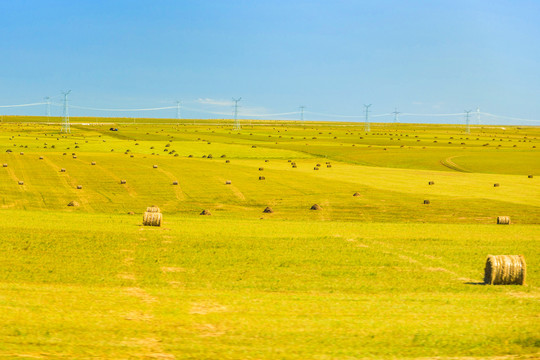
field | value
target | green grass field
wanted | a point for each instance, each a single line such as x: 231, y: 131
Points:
x: 375, y: 276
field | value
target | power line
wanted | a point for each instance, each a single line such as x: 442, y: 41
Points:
x: 65, y: 117
x: 236, y: 122
x: 396, y: 113
x: 366, y: 124
x: 468, y: 128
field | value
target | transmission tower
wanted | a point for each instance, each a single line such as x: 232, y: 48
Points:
x: 178, y: 103
x: 366, y: 124
x: 48, y: 101
x: 468, y: 128
x: 302, y: 112
x: 396, y: 113
x: 477, y: 115
x: 65, y: 117
x: 236, y: 122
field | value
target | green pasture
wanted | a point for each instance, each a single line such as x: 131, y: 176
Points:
x: 376, y: 276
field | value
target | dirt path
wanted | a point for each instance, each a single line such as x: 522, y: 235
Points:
x: 452, y: 165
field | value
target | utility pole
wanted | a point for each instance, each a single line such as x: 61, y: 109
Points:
x: 65, y: 117
x: 468, y: 129
x: 178, y: 103
x: 236, y: 122
x: 366, y: 124
x: 48, y: 101
x: 396, y: 113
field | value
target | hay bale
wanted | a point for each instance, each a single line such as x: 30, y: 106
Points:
x: 123, y: 181
x: 227, y: 161
x: 74, y: 156
x: 356, y: 194
x: 155, y: 166
x: 4, y: 165
x: 530, y: 176
x: 41, y: 158
x: 426, y: 202
x: 505, y: 270
x: 315, y: 168
x: 22, y: 153
x: 496, y: 185
x: 329, y: 166
x: 431, y: 183
x: 315, y: 207
x: 152, y: 218
x: 79, y: 187
x: 93, y: 163
x: 503, y: 220
x: 262, y: 178
x: 261, y: 169
x: 205, y: 212
x: 268, y: 210
x: 266, y: 160
x: 131, y: 213
x: 175, y: 182
x: 153, y: 208
x: 228, y: 182
x: 294, y: 166
x: 73, y: 203
x: 253, y: 146
x: 21, y: 182
x: 62, y: 170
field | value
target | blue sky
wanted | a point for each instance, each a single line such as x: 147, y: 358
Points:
x: 422, y: 57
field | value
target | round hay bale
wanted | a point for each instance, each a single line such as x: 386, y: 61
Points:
x: 503, y: 220
x: 530, y: 176
x: 294, y: 166
x: 266, y: 160
x: 62, y: 170
x: 496, y: 185
x: 315, y: 168
x: 315, y: 207
x: 209, y: 156
x: 79, y: 187
x: 190, y: 156
x: 93, y: 163
x: 153, y: 208
x: 74, y: 156
x: 268, y: 210
x: 253, y: 146
x: 426, y: 202
x: 261, y: 169
x: 318, y: 165
x: 356, y: 194
x: 227, y: 161
x: 175, y: 182
x: 123, y: 181
x: 223, y: 156
x: 328, y: 166
x: 205, y: 212
x: 21, y: 182
x: 289, y: 160
x: 4, y: 165
x: 152, y: 218
x: 131, y: 213
x: 155, y: 166
x: 41, y: 158
x: 505, y: 270
x: 73, y: 203
x: 228, y: 182
x: 262, y: 178
x: 431, y: 183
x: 22, y: 153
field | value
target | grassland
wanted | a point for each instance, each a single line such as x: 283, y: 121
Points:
x: 380, y: 275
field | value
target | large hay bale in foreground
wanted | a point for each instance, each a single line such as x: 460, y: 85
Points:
x: 153, y: 208
x: 503, y: 220
x: 505, y: 270
x: 152, y: 219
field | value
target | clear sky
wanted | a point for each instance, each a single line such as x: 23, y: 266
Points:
x: 434, y: 56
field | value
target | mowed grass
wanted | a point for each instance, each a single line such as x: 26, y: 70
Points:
x: 380, y: 275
